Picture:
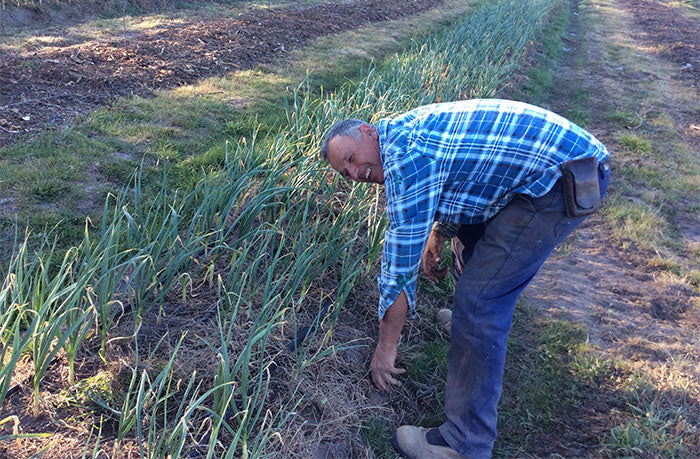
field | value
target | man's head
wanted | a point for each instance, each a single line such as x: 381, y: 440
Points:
x: 352, y: 148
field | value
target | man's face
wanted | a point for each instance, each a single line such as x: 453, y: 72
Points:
x: 357, y: 160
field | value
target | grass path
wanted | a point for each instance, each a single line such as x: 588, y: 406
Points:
x: 625, y: 285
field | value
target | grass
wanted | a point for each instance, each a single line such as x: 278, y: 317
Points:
x: 634, y: 145
x: 623, y: 119
x: 656, y: 422
x: 657, y: 176
x: 378, y: 437
x: 551, y: 371
x: 555, y: 383
x: 541, y: 75
x: 426, y: 373
x: 579, y: 109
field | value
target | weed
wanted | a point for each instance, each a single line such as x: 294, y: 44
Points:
x: 541, y: 77
x: 29, y: 65
x: 118, y: 170
x: 657, y: 422
x: 540, y: 80
x: 578, y: 109
x: 622, y: 118
x: 427, y: 361
x: 49, y: 188
x: 694, y: 277
x: 101, y: 386
x: 666, y: 264
x: 378, y: 437
x: 426, y: 373
x: 635, y: 223
x: 634, y: 144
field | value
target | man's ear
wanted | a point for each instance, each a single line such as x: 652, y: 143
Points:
x: 368, y: 130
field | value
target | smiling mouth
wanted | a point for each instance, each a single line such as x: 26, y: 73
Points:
x: 368, y: 173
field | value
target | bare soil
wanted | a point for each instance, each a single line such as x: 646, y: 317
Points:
x: 45, y: 86
x: 663, y: 26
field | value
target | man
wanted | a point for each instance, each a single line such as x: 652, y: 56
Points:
x: 489, y: 174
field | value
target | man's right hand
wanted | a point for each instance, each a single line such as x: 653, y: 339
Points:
x: 432, y: 257
x: 382, y: 368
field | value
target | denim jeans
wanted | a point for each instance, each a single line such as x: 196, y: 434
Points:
x: 493, y: 262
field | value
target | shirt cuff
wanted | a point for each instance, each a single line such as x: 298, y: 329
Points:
x: 449, y: 230
x: 389, y: 293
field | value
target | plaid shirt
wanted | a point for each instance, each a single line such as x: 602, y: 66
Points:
x: 461, y: 162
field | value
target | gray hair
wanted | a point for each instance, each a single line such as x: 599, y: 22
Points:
x: 349, y: 127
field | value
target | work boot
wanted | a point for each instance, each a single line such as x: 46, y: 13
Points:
x: 444, y: 318
x: 416, y: 443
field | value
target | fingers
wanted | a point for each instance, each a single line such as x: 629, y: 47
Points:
x: 392, y: 381
x: 383, y: 378
x: 430, y: 263
x: 429, y: 273
x: 432, y: 257
x: 440, y: 273
x: 378, y: 382
x: 430, y: 268
x: 383, y: 370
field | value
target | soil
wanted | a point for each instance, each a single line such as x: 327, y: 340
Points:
x: 661, y: 25
x: 46, y: 86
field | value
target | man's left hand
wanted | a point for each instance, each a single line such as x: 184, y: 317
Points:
x: 432, y: 257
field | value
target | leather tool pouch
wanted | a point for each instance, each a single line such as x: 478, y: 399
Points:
x: 581, y: 189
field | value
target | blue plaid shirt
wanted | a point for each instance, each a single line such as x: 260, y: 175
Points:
x: 461, y: 162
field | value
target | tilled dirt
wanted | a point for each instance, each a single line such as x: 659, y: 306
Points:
x: 663, y: 26
x: 48, y: 85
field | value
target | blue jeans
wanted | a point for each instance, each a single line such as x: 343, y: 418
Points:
x: 493, y: 262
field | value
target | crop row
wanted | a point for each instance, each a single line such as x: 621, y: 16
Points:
x: 265, y: 231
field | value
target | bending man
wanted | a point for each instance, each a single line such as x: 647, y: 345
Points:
x: 507, y: 182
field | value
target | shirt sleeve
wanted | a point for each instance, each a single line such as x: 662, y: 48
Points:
x: 412, y: 198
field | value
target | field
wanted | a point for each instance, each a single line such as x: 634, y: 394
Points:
x: 182, y: 276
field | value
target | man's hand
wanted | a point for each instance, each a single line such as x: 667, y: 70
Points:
x: 382, y: 368
x: 432, y: 256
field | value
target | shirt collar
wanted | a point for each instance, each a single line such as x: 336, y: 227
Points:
x: 382, y: 128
